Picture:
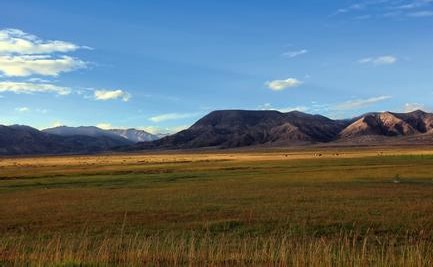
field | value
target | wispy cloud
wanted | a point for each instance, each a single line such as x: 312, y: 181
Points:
x: 279, y: 85
x: 30, y: 88
x: 268, y: 106
x: 105, y: 95
x: 23, y: 54
x: 292, y: 54
x: 359, y: 103
x: 414, y: 4
x: 367, y: 9
x: 172, y: 116
x: 27, y: 109
x: 331, y: 109
x: 409, y: 107
x: 22, y: 109
x: 46, y: 65
x: 14, y: 41
x: 382, y: 60
x: 349, y: 9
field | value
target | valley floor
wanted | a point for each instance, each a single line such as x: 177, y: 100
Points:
x: 319, y: 206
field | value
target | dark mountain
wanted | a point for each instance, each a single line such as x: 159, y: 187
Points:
x: 21, y: 140
x: 237, y: 128
x: 133, y: 135
x: 231, y: 129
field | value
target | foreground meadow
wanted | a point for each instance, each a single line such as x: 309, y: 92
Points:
x: 351, y: 207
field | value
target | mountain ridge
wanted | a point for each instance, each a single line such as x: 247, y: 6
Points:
x: 239, y: 128
x: 25, y: 140
x: 131, y: 134
x: 230, y: 129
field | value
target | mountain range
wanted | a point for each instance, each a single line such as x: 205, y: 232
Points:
x: 23, y: 140
x: 133, y: 135
x: 229, y: 129
x: 238, y: 128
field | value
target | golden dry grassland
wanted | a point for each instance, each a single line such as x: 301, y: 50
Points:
x: 320, y: 207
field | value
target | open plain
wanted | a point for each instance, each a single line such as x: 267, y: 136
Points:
x: 316, y: 206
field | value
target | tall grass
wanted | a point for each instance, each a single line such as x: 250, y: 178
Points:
x: 344, y: 249
x: 283, y: 212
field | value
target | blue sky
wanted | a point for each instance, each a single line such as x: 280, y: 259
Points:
x: 161, y: 65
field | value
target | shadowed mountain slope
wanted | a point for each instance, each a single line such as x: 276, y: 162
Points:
x: 230, y: 129
x: 237, y: 128
x: 123, y: 135
x: 22, y: 140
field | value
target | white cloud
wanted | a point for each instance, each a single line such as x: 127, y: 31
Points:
x: 27, y: 65
x: 23, y: 54
x: 111, y: 95
x: 29, y: 88
x: 409, y: 107
x: 22, y: 109
x: 278, y: 85
x: 292, y: 54
x: 14, y: 41
x: 360, y: 103
x: 382, y: 60
x: 172, y: 116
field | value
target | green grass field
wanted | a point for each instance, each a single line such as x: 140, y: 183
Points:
x: 343, y: 208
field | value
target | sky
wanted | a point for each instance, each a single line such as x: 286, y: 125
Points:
x: 160, y: 65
